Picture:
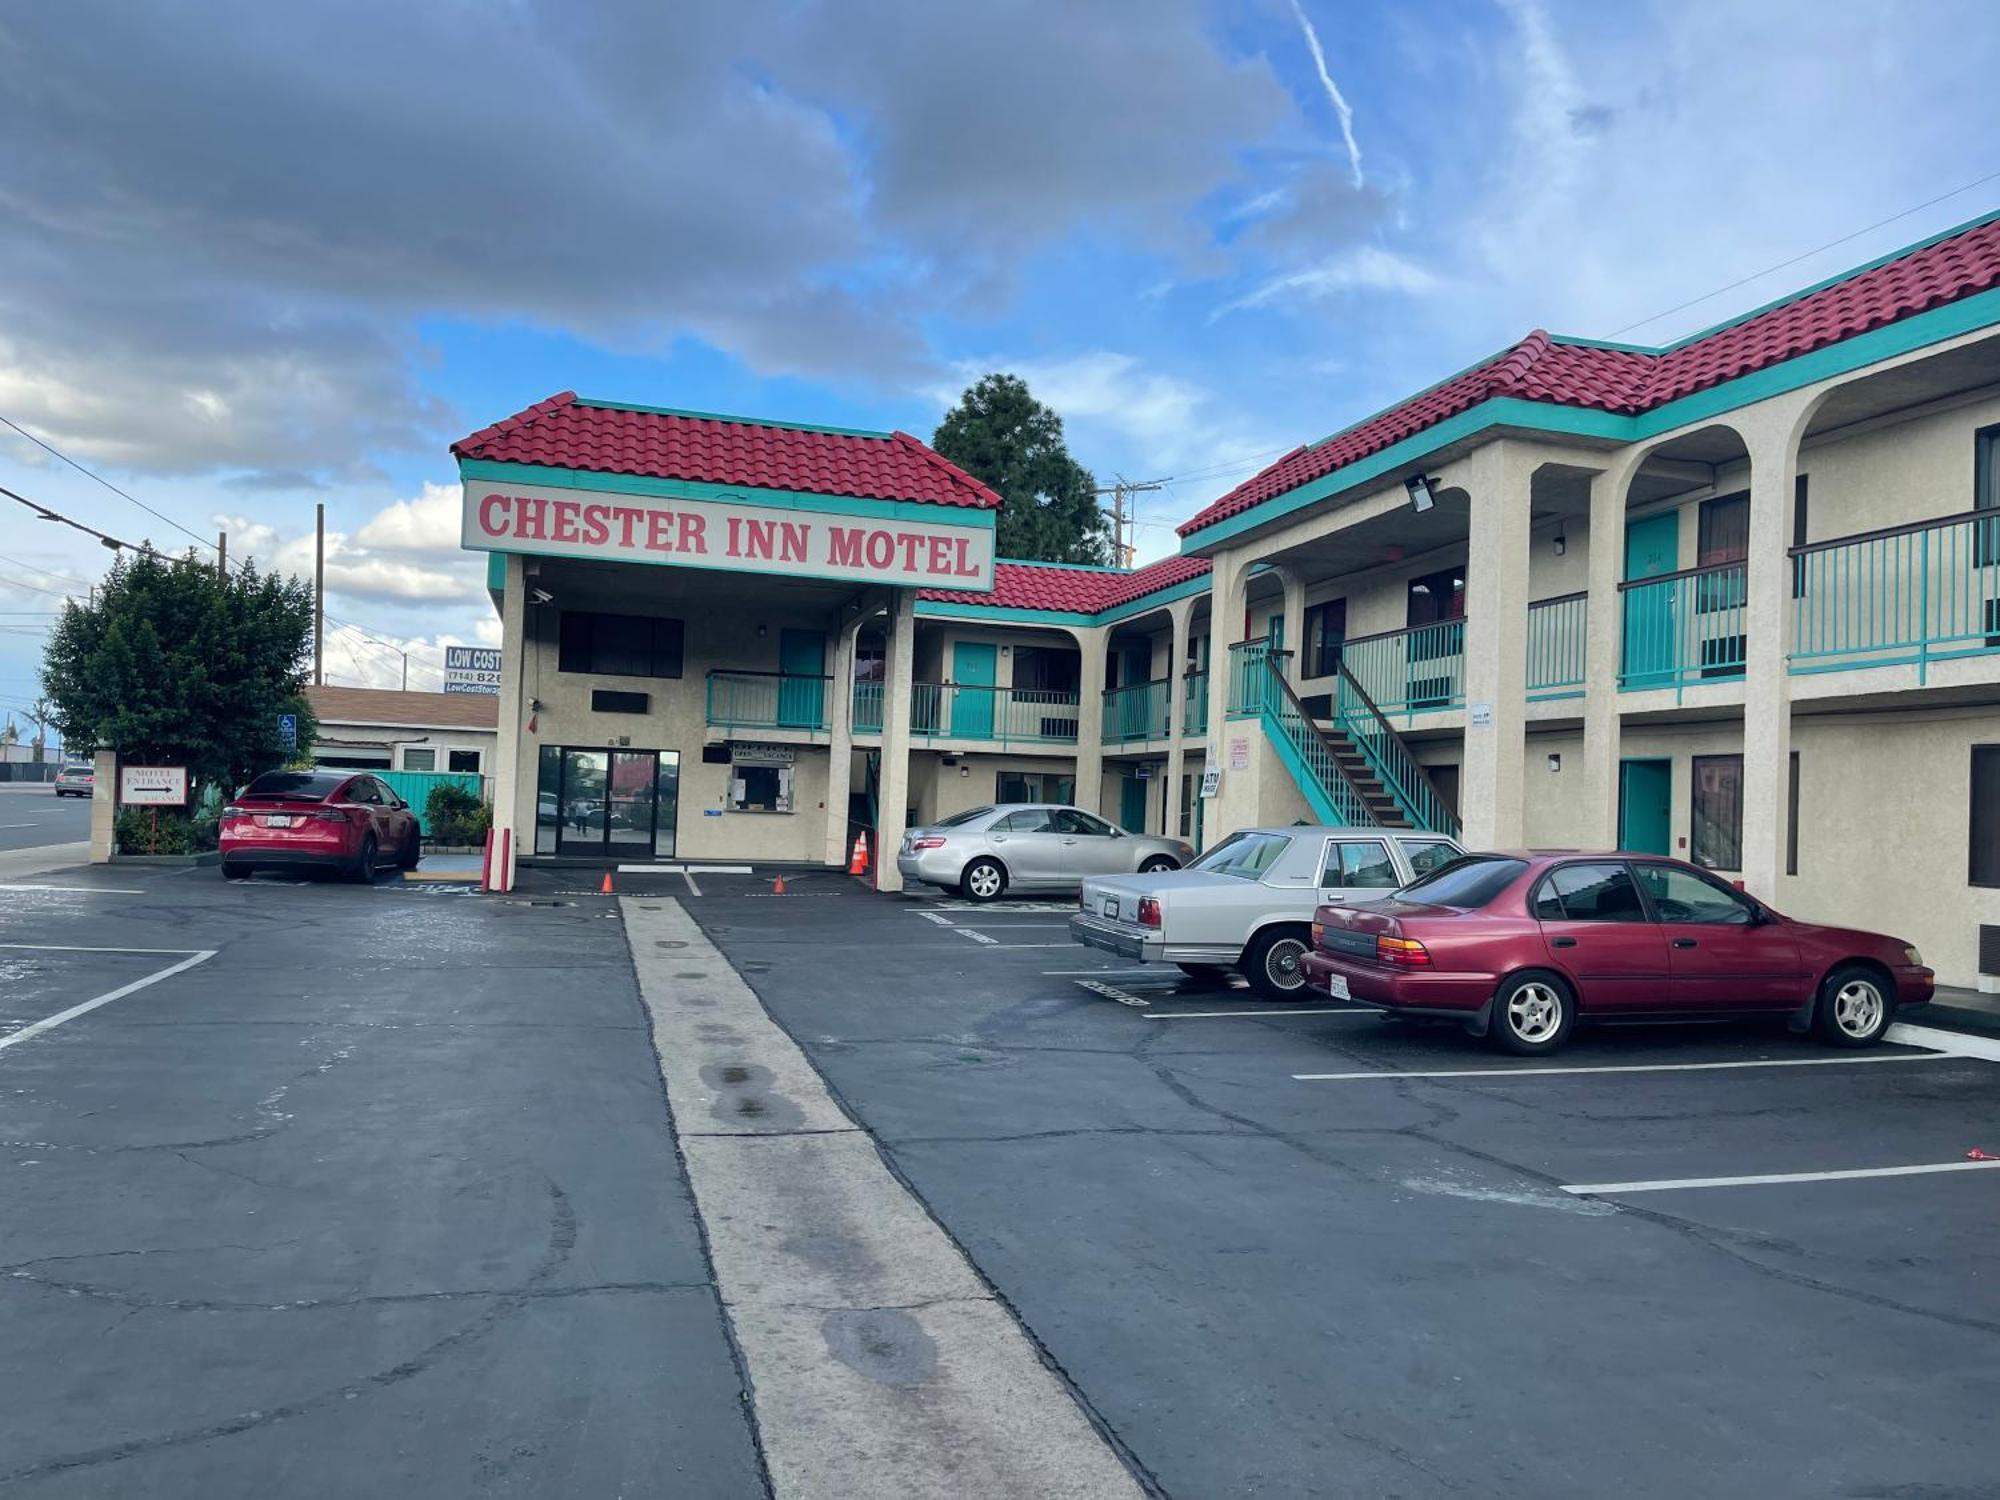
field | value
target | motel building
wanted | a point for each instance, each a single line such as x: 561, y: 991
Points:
x: 1736, y: 599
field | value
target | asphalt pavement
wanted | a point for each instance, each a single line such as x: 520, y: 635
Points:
x: 343, y: 1191
x: 32, y: 816
x: 1290, y: 1251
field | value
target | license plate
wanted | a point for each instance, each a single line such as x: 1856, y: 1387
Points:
x: 279, y: 820
x: 1110, y: 906
x: 1336, y: 986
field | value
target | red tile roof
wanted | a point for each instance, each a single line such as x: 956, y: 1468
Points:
x: 1056, y: 586
x: 567, y: 433
x: 1629, y: 381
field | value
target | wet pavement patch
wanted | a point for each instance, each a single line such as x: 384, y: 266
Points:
x: 885, y: 1344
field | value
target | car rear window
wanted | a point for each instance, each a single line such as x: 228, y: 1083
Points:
x: 76, y: 770
x: 970, y: 815
x: 1468, y: 882
x: 295, y: 786
x: 1245, y: 855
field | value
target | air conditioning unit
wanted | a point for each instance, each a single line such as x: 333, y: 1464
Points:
x: 1989, y: 959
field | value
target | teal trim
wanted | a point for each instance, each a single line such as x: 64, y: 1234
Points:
x: 1014, y: 614
x: 415, y: 788
x: 1577, y: 341
x: 1144, y: 602
x: 723, y: 416
x: 496, y: 571
x: 1935, y: 326
x: 686, y: 489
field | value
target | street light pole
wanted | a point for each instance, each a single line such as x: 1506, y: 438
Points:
x: 319, y: 595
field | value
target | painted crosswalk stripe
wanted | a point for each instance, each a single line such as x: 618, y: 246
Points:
x: 1771, y: 1179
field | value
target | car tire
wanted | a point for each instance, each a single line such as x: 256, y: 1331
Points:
x: 413, y: 853
x: 1274, y: 962
x: 235, y: 870
x: 1532, y: 1014
x: 1856, y: 1006
x: 363, y: 872
x: 983, y: 880
x: 1159, y: 864
x: 1203, y: 971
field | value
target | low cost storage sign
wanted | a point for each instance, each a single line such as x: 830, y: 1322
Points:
x: 727, y: 535
x: 471, y: 669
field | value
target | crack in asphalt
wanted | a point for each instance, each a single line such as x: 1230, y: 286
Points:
x: 561, y: 1241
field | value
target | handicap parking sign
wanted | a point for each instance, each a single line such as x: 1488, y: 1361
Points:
x: 288, y: 730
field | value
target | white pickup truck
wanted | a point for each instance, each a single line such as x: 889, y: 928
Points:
x: 1248, y: 902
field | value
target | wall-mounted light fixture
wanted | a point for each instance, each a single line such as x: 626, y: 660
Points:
x: 1562, y: 541
x: 1421, y: 498
x: 762, y: 631
x: 1555, y: 764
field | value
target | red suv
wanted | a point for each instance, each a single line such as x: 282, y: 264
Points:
x: 1520, y: 946
x: 329, y: 820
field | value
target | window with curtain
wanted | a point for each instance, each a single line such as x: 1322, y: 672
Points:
x: 1723, y: 536
x: 1715, y: 841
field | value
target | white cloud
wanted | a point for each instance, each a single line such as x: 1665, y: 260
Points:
x: 406, y: 553
x: 427, y: 523
x: 1340, y: 104
x: 1365, y: 268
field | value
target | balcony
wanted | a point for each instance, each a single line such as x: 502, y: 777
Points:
x: 1194, y: 713
x: 1558, y: 641
x: 1914, y: 594
x: 1138, y: 713
x: 1408, y: 672
x: 767, y: 700
x: 994, y: 715
x: 1683, y: 628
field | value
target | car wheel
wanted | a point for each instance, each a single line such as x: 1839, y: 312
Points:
x: 1159, y: 864
x: 1855, y: 1007
x: 413, y: 852
x: 364, y: 867
x: 235, y: 870
x: 1203, y: 971
x: 982, y: 880
x: 1532, y: 1014
x: 1274, y: 963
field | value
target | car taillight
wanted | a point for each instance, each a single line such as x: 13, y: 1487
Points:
x: 233, y: 811
x: 329, y: 814
x: 1405, y: 953
x: 927, y: 843
x: 1149, y: 912
x: 1319, y: 933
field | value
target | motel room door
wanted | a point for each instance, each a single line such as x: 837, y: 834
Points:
x: 1652, y: 548
x: 973, y: 670
x: 802, y: 683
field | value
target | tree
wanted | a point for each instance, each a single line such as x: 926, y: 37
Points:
x: 1001, y: 435
x: 172, y: 665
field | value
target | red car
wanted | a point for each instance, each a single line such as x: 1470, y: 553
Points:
x: 346, y: 821
x: 1521, y: 946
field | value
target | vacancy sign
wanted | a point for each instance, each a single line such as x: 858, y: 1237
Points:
x: 724, y: 534
x: 153, y: 786
x: 472, y: 669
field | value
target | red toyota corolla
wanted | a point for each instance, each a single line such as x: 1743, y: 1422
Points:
x: 1522, y: 946
x: 347, y: 821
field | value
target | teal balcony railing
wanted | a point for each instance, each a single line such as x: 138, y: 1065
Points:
x: 1910, y: 594
x: 868, y: 708
x: 766, y: 700
x: 1002, y: 716
x: 1408, y: 672
x: 1140, y: 711
x: 1248, y: 662
x: 1558, y: 638
x: 1683, y: 628
x: 1194, y: 713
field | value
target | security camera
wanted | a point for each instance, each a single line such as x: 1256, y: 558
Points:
x: 540, y: 596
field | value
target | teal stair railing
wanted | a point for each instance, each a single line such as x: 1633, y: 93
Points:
x: 1401, y: 774
x: 1303, y: 746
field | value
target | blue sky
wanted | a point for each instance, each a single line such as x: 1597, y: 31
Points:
x: 260, y: 257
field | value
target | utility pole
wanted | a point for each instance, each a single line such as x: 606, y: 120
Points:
x: 319, y: 595
x: 222, y: 555
x: 1122, y: 521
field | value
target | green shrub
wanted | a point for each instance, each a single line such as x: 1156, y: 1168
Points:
x: 454, y: 814
x: 157, y: 830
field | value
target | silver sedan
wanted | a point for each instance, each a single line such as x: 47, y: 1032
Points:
x: 1029, y: 846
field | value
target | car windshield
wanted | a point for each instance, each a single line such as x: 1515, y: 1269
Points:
x: 295, y: 786
x: 1468, y: 882
x: 959, y: 820
x: 76, y: 770
x: 1245, y: 855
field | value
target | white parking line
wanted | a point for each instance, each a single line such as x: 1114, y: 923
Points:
x: 1100, y: 973
x: 688, y: 876
x: 977, y: 937
x: 49, y: 1023
x: 1504, y: 1072
x: 685, y: 870
x: 1112, y: 992
x: 1955, y: 1042
x: 1672, y: 1184
x: 77, y: 890
x: 1299, y: 1010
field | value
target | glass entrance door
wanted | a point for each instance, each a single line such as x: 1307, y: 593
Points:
x: 586, y: 776
x: 628, y: 820
x: 608, y: 804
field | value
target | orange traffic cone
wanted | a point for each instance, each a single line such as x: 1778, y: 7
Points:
x: 778, y: 886
x: 857, y: 859
x: 605, y: 889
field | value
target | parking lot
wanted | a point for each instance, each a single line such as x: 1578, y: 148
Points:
x: 1308, y: 1250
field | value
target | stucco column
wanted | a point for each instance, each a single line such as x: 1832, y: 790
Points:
x: 1497, y: 477
x: 1773, y: 440
x: 1604, y: 625
x: 1179, y: 614
x: 840, y: 742
x: 514, y: 749
x: 104, y: 804
x: 1228, y: 587
x: 1092, y: 642
x: 894, y: 794
x: 1294, y: 586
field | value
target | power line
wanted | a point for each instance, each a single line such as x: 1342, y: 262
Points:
x: 1809, y: 254
x: 93, y: 474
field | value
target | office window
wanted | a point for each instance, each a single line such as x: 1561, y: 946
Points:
x: 609, y: 701
x: 1033, y: 786
x: 760, y: 788
x: 620, y: 645
x: 1436, y: 596
x: 1715, y: 840
x: 1326, y: 629
x: 462, y: 760
x: 1983, y: 830
x: 1722, y: 536
x: 419, y: 760
x: 1047, y: 669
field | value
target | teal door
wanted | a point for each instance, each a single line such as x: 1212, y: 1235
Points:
x: 1652, y: 548
x: 972, y: 670
x: 1132, y: 803
x: 1645, y: 806
x: 802, y: 679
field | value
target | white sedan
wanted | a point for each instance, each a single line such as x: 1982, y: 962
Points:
x: 1248, y: 902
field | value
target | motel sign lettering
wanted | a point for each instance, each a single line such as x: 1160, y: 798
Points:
x: 724, y: 535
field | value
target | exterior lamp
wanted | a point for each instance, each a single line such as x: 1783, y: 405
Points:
x: 1421, y: 498
x: 1562, y: 542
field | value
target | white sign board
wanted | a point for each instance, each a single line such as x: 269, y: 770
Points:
x: 1239, y: 753
x: 1211, y: 781
x: 153, y: 786
x: 1479, y: 715
x: 729, y: 535
x: 472, y: 669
